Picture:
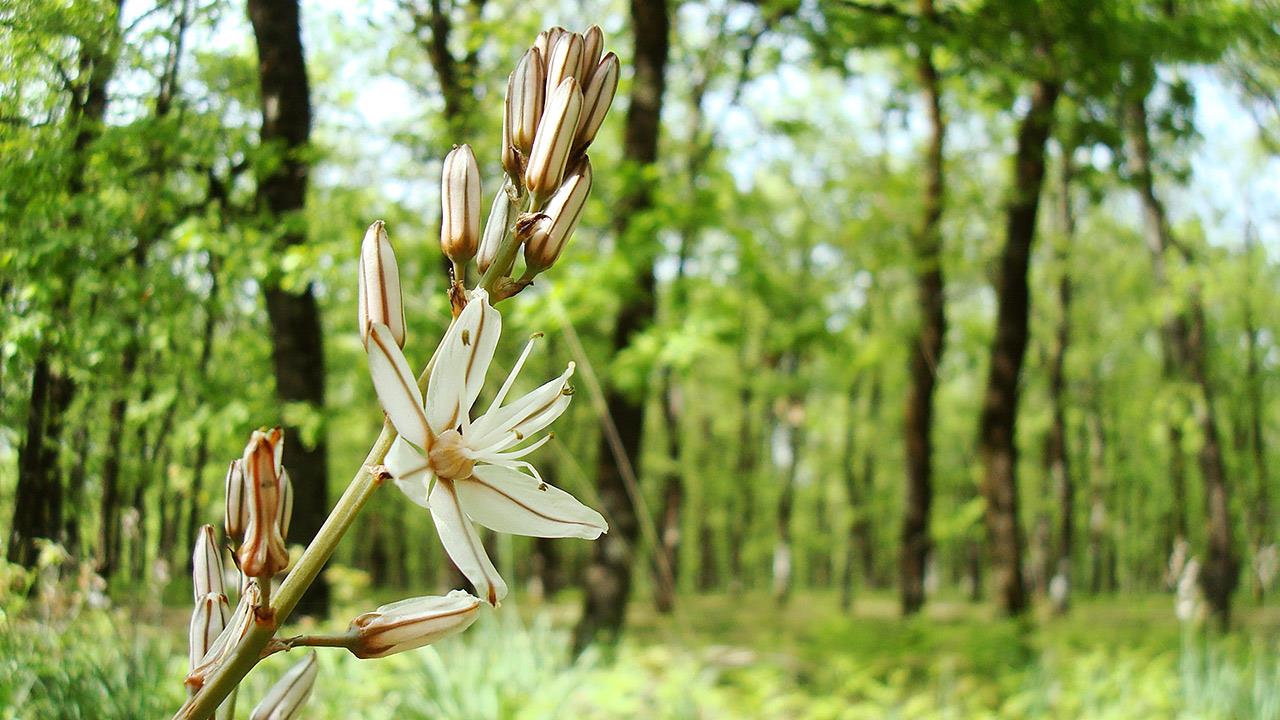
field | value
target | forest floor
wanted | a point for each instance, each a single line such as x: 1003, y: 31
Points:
x: 720, y: 656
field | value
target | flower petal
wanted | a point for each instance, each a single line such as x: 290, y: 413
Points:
x: 461, y: 364
x: 463, y: 544
x: 397, y: 390
x: 509, y: 501
x: 410, y: 470
x: 500, y: 429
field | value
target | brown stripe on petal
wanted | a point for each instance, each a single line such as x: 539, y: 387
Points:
x: 422, y: 414
x: 531, y: 510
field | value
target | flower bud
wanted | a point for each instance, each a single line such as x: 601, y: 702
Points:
x: 596, y: 101
x: 207, y: 623
x: 565, y: 61
x: 555, y: 137
x: 460, y: 205
x: 500, y: 216
x: 236, y: 516
x: 290, y: 693
x: 284, y: 515
x: 412, y: 623
x: 547, y: 39
x: 526, y: 92
x: 563, y: 210
x: 235, y: 629
x: 263, y: 553
x: 206, y: 564
x: 592, y: 47
x: 380, y: 300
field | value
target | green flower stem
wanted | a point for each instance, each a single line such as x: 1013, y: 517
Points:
x: 246, y: 655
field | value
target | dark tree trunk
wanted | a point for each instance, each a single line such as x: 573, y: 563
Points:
x: 1186, y: 335
x: 39, y: 492
x: 1057, y: 464
x: 608, y: 578
x: 296, y: 335
x: 997, y: 439
x: 926, y: 347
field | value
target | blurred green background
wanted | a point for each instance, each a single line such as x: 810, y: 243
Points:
x: 938, y: 336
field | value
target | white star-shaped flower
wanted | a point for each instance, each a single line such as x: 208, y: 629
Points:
x: 476, y: 464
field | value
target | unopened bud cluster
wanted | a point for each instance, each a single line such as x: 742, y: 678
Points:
x: 557, y: 99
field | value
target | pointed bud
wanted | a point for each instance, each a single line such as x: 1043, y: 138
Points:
x: 237, y: 507
x: 526, y: 93
x: 284, y: 515
x: 235, y: 630
x: 510, y: 158
x: 501, y: 213
x: 290, y: 693
x: 551, y: 148
x: 460, y: 205
x: 379, y: 292
x: 547, y: 40
x: 596, y: 101
x: 592, y: 47
x: 565, y: 61
x: 263, y: 553
x: 207, y: 623
x: 563, y: 210
x: 412, y: 623
x: 206, y: 563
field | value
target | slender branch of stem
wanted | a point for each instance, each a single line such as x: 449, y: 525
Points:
x: 340, y: 641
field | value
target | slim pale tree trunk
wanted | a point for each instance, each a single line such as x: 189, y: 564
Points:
x: 296, y: 334
x: 791, y: 427
x: 1260, y: 512
x: 997, y: 428
x: 744, y: 505
x: 1056, y: 457
x: 926, y: 346
x: 1187, y: 335
x: 607, y: 583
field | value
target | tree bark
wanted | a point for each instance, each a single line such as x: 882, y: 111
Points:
x: 1186, y: 335
x: 926, y: 346
x: 608, y: 577
x: 997, y: 439
x: 296, y: 333
x: 1056, y: 457
x: 39, y: 492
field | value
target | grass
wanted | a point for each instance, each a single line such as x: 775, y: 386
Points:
x: 719, y: 657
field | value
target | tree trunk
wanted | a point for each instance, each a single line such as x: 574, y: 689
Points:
x: 608, y: 577
x: 997, y: 438
x: 296, y: 334
x: 926, y: 347
x: 743, y: 507
x: 1186, y: 335
x: 39, y: 492
x: 1057, y: 464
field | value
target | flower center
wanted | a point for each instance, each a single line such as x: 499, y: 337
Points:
x: 448, y: 457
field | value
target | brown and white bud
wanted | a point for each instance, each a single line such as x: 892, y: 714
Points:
x: 236, y: 628
x: 285, y: 699
x: 236, y: 515
x: 380, y: 300
x: 460, y: 205
x: 412, y: 623
x: 263, y: 552
x: 565, y: 61
x: 592, y: 48
x: 284, y: 515
x: 564, y: 209
x: 526, y: 94
x: 596, y: 100
x: 501, y: 215
x: 551, y: 148
x: 206, y: 564
x: 547, y: 39
x: 208, y: 620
